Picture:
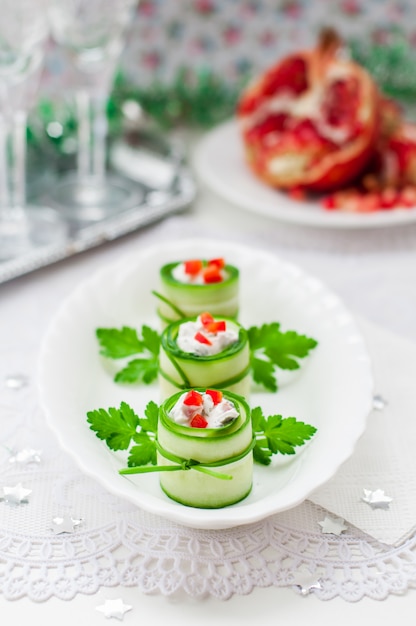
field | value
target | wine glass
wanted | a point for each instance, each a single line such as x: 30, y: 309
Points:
x: 23, y: 35
x: 92, y: 33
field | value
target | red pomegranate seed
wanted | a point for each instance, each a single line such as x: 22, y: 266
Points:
x: 290, y: 75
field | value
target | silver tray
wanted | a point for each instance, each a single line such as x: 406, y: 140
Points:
x: 164, y: 187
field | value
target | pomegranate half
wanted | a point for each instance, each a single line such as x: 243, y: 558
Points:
x: 311, y: 121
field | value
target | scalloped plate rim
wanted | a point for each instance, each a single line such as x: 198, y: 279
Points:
x: 102, y: 470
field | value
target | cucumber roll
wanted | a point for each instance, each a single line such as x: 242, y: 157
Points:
x: 209, y: 432
x: 204, y: 352
x: 189, y: 287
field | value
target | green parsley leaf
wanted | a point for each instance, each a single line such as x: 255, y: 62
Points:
x: 275, y: 434
x: 152, y: 415
x: 115, y: 426
x: 151, y: 340
x: 271, y: 348
x: 262, y: 455
x: 258, y: 420
x: 120, y: 343
x: 262, y: 372
x: 138, y: 369
x: 120, y: 428
x: 143, y: 453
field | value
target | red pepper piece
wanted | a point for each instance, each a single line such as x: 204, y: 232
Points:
x: 220, y: 262
x: 202, y: 339
x: 216, y: 327
x: 198, y: 421
x: 193, y: 398
x: 212, y: 274
x: 206, y: 318
x: 193, y: 266
x: 215, y: 394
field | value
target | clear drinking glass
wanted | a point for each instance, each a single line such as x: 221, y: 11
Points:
x: 92, y: 33
x: 23, y: 35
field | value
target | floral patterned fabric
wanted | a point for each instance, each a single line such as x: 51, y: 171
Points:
x: 238, y: 37
x: 189, y: 59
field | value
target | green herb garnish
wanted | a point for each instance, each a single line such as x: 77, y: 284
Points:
x: 277, y: 434
x: 123, y: 429
x: 125, y: 342
x: 271, y: 348
x: 119, y: 428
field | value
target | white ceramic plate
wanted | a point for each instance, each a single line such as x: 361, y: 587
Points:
x: 219, y: 162
x: 333, y: 389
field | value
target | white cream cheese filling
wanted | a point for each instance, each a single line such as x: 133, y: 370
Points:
x: 219, y: 341
x: 216, y: 415
x: 179, y: 274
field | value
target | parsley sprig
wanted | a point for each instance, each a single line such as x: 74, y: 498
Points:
x: 125, y: 342
x: 271, y: 348
x: 119, y: 428
x: 123, y: 429
x: 277, y: 434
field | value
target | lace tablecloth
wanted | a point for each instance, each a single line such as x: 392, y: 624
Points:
x: 117, y: 544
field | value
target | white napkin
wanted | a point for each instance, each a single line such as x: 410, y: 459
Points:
x: 385, y: 456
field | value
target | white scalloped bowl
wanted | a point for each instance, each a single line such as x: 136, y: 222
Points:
x: 333, y: 390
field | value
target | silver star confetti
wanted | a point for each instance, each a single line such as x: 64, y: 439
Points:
x: 26, y: 456
x: 332, y: 525
x: 64, y: 524
x: 16, y: 494
x: 376, y: 499
x: 114, y: 608
x: 16, y: 381
x: 305, y: 583
x: 379, y: 403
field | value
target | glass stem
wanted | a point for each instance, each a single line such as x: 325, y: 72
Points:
x: 5, y: 196
x: 19, y: 145
x: 13, y: 166
x: 92, y: 135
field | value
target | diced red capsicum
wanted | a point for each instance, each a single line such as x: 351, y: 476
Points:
x: 215, y: 394
x: 198, y: 421
x: 193, y: 398
x: 216, y: 327
x: 202, y: 339
x: 212, y: 274
x: 193, y: 266
x: 206, y: 318
x: 220, y: 263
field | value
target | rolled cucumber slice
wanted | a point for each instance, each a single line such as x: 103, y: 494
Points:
x: 229, y: 370
x: 225, y: 451
x: 178, y: 300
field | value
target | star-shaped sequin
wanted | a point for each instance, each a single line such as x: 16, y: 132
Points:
x: 305, y: 583
x: 114, y: 608
x: 379, y: 403
x: 16, y: 381
x: 16, y: 494
x: 376, y: 499
x: 26, y: 456
x: 332, y: 525
x: 65, y: 524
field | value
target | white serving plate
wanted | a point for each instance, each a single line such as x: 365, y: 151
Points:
x: 219, y: 162
x: 333, y: 389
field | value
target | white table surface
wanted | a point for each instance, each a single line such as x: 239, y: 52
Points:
x: 375, y: 274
